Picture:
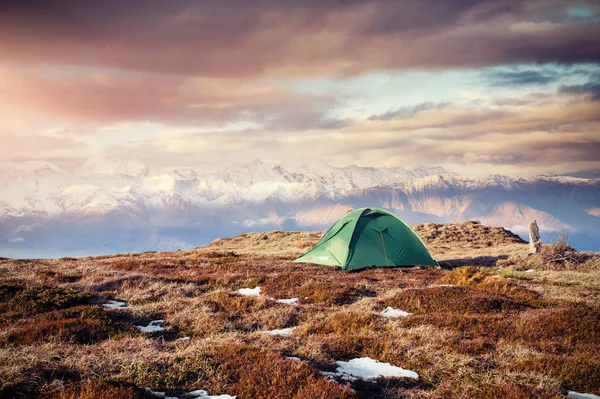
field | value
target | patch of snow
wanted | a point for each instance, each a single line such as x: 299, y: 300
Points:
x: 183, y: 339
x: 444, y: 285
x: 283, y: 331
x: 394, y: 313
x: 291, y: 301
x: 529, y: 271
x: 153, y: 326
x: 202, y: 394
x: 294, y: 358
x: 496, y: 276
x: 368, y: 369
x: 160, y: 394
x: 115, y: 304
x: 577, y: 395
x: 249, y: 291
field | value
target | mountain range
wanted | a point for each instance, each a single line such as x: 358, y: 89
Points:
x: 108, y: 207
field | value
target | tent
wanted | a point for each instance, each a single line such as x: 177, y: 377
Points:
x: 369, y: 237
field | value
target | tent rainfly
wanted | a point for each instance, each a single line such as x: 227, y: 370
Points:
x: 369, y: 237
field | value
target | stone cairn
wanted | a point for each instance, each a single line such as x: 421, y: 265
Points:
x: 535, y: 242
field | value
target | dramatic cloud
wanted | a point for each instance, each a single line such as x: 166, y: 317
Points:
x: 522, y: 77
x: 592, y: 89
x: 109, y: 98
x: 479, y: 86
x: 291, y: 38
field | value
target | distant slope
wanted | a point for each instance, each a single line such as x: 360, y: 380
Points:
x: 460, y: 238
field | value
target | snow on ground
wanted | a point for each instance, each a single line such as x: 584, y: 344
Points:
x: 291, y: 301
x: 283, y: 331
x: 183, y: 339
x: 153, y: 326
x: 200, y: 394
x: 394, y: 313
x: 294, y: 358
x: 529, y: 271
x: 249, y: 291
x: 368, y: 369
x: 160, y: 394
x: 577, y: 395
x: 115, y: 304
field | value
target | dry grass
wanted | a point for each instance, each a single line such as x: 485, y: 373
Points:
x: 485, y: 329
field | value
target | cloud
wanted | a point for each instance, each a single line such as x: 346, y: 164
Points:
x: 519, y: 77
x: 291, y: 38
x: 590, y: 89
x: 556, y: 138
x: 407, y: 111
x: 108, y: 98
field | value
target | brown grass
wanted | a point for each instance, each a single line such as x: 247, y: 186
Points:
x: 78, y: 325
x: 496, y: 332
x: 19, y: 300
x: 461, y: 300
x: 103, y: 389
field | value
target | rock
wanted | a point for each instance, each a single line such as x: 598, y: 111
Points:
x: 535, y: 242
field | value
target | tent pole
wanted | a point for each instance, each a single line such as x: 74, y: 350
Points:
x: 384, y: 251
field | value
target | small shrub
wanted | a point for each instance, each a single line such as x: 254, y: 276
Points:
x: 127, y: 264
x: 235, y: 304
x: 580, y: 372
x: 474, y: 277
x: 103, y: 389
x: 561, y: 330
x: 30, y: 300
x: 344, y: 347
x: 244, y: 371
x: 344, y: 323
x: 79, y: 325
x: 489, y: 327
x: 332, y: 293
x: 559, y: 251
x: 452, y: 299
x: 511, y: 391
x: 464, y: 276
x: 218, y: 254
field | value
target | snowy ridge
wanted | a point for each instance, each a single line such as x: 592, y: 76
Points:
x: 128, y: 206
x: 43, y: 188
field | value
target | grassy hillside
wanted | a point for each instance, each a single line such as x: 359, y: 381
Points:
x: 495, y: 324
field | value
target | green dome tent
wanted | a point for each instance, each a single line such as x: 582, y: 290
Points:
x: 369, y: 237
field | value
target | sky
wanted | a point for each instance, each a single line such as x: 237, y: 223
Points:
x: 479, y: 87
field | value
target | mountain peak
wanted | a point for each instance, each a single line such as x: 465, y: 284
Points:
x: 129, y: 167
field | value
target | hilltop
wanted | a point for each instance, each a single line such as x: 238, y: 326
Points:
x: 500, y: 323
x: 437, y: 236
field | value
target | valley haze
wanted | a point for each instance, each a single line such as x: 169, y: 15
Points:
x: 112, y: 207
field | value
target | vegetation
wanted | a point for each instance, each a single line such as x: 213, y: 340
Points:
x: 486, y: 328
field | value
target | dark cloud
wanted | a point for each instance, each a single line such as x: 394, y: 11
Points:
x: 299, y: 38
x: 527, y: 77
x: 408, y: 111
x: 591, y: 89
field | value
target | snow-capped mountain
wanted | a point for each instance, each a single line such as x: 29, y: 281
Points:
x: 125, y: 206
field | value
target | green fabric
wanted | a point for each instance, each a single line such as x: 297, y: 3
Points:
x: 368, y: 237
